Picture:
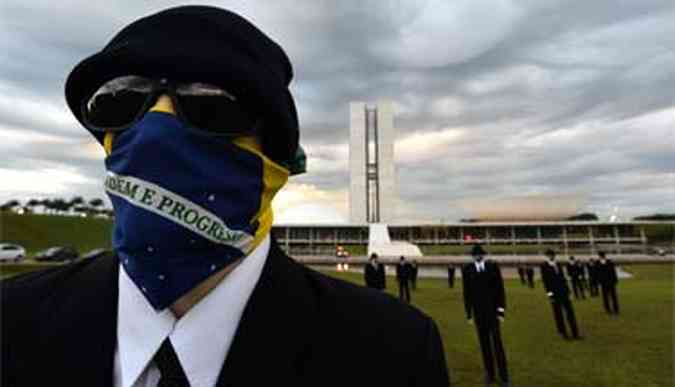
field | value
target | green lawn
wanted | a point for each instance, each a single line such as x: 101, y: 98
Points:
x: 37, y: 232
x: 635, y: 349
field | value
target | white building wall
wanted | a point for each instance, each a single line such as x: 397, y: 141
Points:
x: 387, y: 169
x: 357, y: 163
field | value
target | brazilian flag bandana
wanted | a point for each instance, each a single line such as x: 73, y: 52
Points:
x: 186, y: 205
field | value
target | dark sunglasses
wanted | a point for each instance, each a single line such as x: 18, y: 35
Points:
x: 122, y: 101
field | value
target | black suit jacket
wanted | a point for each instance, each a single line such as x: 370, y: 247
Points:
x: 403, y: 271
x: 298, y: 329
x: 374, y: 276
x: 483, y: 292
x: 572, y: 271
x: 381, y: 276
x: 592, y: 268
x: 555, y: 282
x: 606, y: 273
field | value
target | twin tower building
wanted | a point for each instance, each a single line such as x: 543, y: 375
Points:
x: 372, y: 192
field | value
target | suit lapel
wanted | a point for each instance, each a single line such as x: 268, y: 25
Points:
x: 274, y: 334
x: 276, y: 329
x: 79, y: 345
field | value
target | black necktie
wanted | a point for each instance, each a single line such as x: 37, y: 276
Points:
x: 172, y: 374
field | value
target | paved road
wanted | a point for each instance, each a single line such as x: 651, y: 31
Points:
x: 439, y: 272
x: 504, y: 260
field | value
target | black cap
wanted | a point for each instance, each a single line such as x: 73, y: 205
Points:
x: 550, y: 253
x: 477, y: 250
x: 201, y: 44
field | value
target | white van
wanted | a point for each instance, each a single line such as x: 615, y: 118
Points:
x: 11, y: 252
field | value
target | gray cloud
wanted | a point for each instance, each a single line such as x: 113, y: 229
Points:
x: 550, y: 96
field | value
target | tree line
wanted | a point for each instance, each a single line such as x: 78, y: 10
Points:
x: 59, y: 206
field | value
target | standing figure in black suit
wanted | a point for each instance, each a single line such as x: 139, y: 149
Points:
x: 557, y: 290
x: 451, y: 276
x: 413, y: 274
x: 574, y: 271
x: 485, y: 303
x: 403, y: 277
x: 374, y: 273
x: 606, y: 272
x: 382, y: 275
x: 592, y: 268
x: 529, y: 271
x: 521, y: 274
x: 582, y: 275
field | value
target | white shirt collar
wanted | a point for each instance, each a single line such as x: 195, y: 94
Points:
x: 480, y: 265
x: 201, y: 338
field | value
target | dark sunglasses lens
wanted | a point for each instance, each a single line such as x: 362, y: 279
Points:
x: 216, y: 114
x: 114, y: 110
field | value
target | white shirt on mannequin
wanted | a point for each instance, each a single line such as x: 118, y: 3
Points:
x: 201, y: 338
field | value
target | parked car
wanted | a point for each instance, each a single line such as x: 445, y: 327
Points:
x: 57, y: 254
x: 10, y: 252
x: 95, y: 253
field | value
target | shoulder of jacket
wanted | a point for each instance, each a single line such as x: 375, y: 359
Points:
x: 42, y: 278
x: 27, y: 300
x: 38, y: 286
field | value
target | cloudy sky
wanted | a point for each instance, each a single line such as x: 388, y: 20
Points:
x: 494, y: 99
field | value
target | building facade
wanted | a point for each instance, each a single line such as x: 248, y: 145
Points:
x: 372, y: 191
x: 517, y: 238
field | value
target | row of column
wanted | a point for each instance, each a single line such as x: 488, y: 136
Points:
x: 513, y: 240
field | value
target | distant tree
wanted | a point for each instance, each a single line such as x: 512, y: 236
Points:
x: 76, y: 201
x: 586, y: 216
x: 61, y: 205
x: 82, y: 210
x: 96, y: 202
x: 10, y: 205
x: 656, y: 217
x: 47, y: 205
x: 109, y: 213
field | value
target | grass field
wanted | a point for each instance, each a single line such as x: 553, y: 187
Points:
x: 38, y: 232
x: 634, y: 349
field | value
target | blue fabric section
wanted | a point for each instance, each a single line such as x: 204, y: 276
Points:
x: 164, y: 258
